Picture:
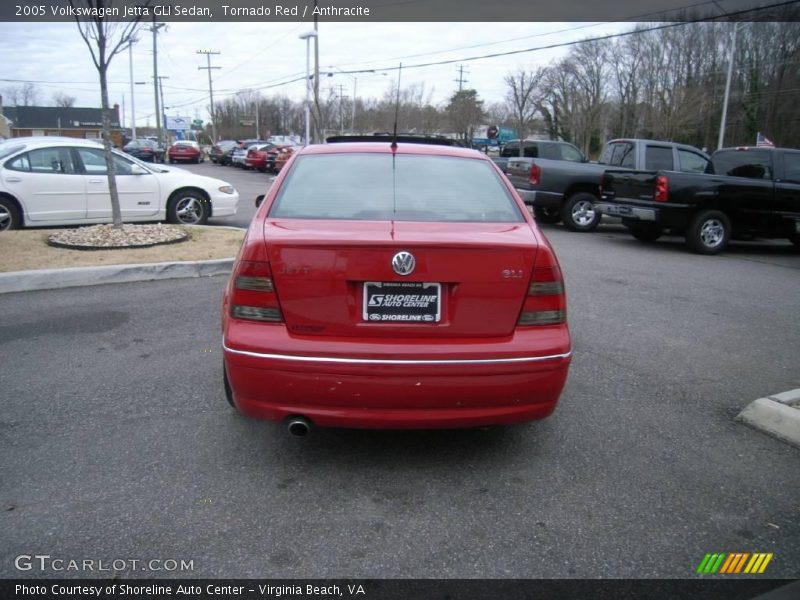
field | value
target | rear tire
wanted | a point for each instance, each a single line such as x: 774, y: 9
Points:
x: 579, y: 214
x: 546, y: 214
x: 645, y: 233
x: 9, y: 215
x: 708, y: 232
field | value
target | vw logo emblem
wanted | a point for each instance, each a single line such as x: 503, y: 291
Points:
x: 403, y: 263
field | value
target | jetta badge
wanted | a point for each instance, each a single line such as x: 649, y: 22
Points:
x: 403, y: 263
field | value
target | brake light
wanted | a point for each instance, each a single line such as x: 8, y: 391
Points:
x: 546, y: 302
x: 662, y: 189
x: 535, y: 174
x: 252, y: 291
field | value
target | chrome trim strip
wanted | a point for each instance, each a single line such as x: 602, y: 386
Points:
x: 378, y: 361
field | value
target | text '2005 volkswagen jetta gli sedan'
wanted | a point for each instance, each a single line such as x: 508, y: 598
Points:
x: 394, y: 285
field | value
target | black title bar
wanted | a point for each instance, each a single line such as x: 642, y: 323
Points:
x: 400, y: 10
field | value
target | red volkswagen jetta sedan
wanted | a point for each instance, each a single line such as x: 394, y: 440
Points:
x: 394, y: 286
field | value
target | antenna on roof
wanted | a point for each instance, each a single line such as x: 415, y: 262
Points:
x: 396, y: 108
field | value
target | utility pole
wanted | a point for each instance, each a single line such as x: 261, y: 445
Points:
x: 163, y: 115
x: 154, y: 29
x: 317, y: 111
x: 731, y: 58
x: 461, y: 81
x: 341, y: 109
x: 208, y: 54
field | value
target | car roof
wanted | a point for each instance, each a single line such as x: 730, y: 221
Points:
x: 385, y: 148
x: 52, y: 140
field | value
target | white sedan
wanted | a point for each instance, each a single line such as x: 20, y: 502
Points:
x: 63, y: 181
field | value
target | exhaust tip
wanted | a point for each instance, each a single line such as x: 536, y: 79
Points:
x: 298, y: 426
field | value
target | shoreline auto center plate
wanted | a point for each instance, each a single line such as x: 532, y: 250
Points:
x: 402, y: 302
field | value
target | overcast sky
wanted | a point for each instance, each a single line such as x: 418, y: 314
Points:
x: 254, y: 55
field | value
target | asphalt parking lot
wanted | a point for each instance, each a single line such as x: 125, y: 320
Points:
x: 247, y: 182
x: 117, y: 442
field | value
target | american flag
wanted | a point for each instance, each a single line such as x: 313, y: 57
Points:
x: 763, y: 141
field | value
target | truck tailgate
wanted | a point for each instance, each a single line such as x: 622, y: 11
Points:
x: 628, y: 185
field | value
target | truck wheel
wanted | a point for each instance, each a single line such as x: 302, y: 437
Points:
x: 546, y: 214
x: 578, y: 212
x: 709, y: 232
x: 645, y: 233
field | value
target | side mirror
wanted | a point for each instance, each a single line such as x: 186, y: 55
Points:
x: 137, y: 170
x: 259, y: 200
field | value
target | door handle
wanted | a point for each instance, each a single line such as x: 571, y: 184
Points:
x: 95, y: 181
x: 13, y: 179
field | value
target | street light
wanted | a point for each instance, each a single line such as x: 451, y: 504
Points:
x: 133, y: 111
x: 367, y: 73
x: 130, y: 73
x: 307, y: 37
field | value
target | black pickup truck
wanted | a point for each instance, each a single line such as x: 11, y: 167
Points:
x: 566, y: 190
x: 746, y: 192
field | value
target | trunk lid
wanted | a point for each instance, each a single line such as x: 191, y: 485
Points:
x: 480, y: 272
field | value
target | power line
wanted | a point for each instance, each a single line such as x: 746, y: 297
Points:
x: 576, y: 42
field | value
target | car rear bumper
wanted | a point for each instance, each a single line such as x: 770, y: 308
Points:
x: 401, y: 387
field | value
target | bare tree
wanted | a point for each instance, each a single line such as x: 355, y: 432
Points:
x: 522, y: 97
x: 105, y: 39
x: 62, y: 100
x: 24, y: 95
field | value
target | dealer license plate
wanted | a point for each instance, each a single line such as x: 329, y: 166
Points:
x: 402, y: 302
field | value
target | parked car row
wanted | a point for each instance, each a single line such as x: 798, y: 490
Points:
x: 261, y: 155
x: 149, y: 150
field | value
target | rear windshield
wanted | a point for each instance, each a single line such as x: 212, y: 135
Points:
x: 417, y: 188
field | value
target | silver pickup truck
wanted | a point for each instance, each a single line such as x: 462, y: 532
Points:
x: 563, y: 190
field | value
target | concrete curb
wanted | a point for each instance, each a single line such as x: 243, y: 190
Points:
x: 48, y: 279
x: 778, y: 416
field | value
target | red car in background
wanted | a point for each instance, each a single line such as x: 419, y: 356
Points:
x: 257, y: 157
x: 284, y: 153
x: 394, y: 286
x: 185, y: 150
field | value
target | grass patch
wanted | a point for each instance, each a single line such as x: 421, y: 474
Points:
x: 27, y: 250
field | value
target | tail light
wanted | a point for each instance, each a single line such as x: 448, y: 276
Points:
x: 662, y: 189
x: 546, y: 302
x: 535, y: 174
x: 252, y: 291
